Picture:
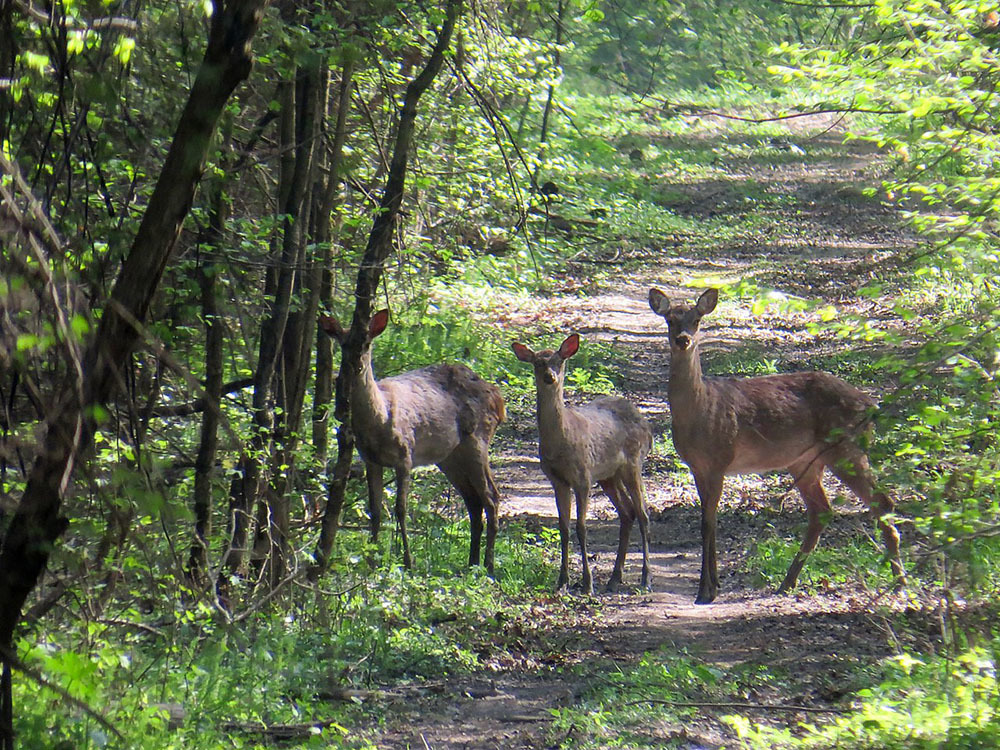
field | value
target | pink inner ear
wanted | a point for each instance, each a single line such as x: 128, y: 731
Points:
x: 570, y: 346
x: 522, y: 352
x: 378, y: 323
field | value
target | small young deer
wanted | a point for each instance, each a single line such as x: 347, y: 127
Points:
x: 606, y: 442
x: 441, y: 414
x: 801, y: 422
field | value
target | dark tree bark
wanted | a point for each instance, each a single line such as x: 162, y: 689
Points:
x: 8, y: 55
x: 204, y: 464
x: 376, y: 253
x: 330, y: 192
x: 299, y: 99
x: 296, y: 345
x: 37, y: 523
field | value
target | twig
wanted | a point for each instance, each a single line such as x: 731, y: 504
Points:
x: 37, y: 676
x: 748, y: 706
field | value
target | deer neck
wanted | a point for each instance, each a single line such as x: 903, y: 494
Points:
x: 551, y: 412
x: 368, y: 407
x: 686, y: 392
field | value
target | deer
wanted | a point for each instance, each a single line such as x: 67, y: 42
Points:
x: 605, y: 441
x: 444, y: 415
x: 800, y: 422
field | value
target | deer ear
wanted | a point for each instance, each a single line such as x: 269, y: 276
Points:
x: 707, y: 301
x: 570, y: 346
x: 378, y: 323
x: 522, y: 352
x: 658, y: 302
x: 331, y: 327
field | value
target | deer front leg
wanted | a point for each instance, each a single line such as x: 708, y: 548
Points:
x: 709, y: 492
x: 563, y: 498
x: 582, y: 501
x: 402, y: 490
x: 373, y: 476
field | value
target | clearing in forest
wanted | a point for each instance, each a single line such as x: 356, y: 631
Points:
x: 820, y: 237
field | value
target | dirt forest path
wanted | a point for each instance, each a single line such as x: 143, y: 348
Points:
x: 830, y: 238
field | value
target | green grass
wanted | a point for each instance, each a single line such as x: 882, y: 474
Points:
x: 921, y: 703
x: 362, y: 628
x: 642, y: 706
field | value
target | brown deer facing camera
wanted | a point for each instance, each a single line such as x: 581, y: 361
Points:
x: 801, y: 422
x: 604, y: 441
x: 442, y: 414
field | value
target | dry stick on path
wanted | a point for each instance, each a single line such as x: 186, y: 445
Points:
x: 38, y: 523
x: 379, y: 248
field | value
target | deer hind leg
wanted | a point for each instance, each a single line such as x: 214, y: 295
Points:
x: 709, y: 491
x: 817, y: 510
x: 850, y: 466
x: 632, y: 480
x: 492, y: 506
x: 467, y: 468
x: 616, y: 493
x: 402, y: 490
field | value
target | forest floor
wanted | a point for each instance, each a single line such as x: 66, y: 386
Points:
x: 824, y: 239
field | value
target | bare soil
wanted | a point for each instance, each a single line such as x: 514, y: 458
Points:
x: 832, y: 242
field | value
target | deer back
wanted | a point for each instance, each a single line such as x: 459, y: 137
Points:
x: 430, y: 412
x: 741, y: 425
x: 595, y: 439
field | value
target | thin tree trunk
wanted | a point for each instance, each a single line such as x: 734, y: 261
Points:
x: 369, y: 274
x: 8, y: 56
x: 323, y: 387
x: 37, y: 523
x: 300, y: 328
x: 204, y: 465
x: 550, y: 96
x: 297, y: 146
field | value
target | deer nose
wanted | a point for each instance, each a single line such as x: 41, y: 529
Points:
x: 548, y: 377
x: 683, y: 341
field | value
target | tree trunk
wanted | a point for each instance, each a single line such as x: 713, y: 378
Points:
x: 37, y: 523
x: 272, y: 518
x: 204, y: 465
x: 550, y: 96
x: 370, y: 273
x: 296, y: 347
x: 323, y: 386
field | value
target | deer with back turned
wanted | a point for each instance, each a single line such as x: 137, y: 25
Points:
x: 802, y: 422
x: 443, y: 414
x: 605, y: 441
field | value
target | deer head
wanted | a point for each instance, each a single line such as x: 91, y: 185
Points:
x: 549, y: 365
x: 332, y: 327
x: 683, y: 320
